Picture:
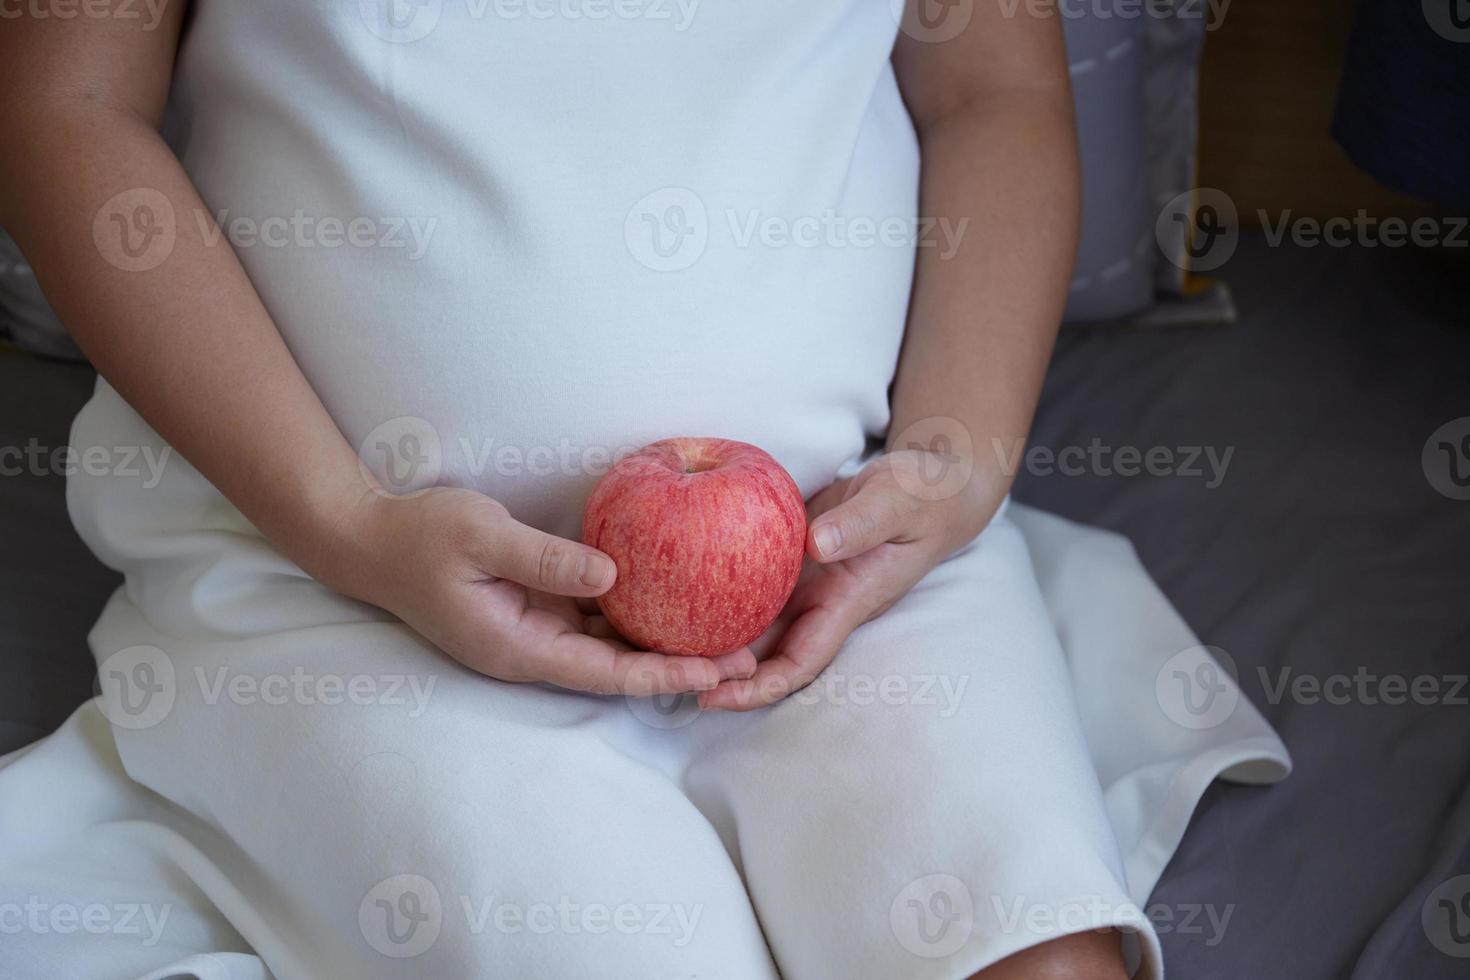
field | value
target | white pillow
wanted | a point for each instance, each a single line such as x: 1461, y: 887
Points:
x: 1134, y: 81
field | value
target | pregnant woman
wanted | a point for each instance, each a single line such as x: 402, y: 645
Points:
x: 388, y: 285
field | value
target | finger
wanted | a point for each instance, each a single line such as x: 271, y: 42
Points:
x: 764, y: 645
x: 600, y: 627
x: 737, y: 665
x: 544, y: 561
x: 828, y: 497
x: 806, y: 649
x: 769, y: 643
x: 586, y: 663
x: 875, y: 514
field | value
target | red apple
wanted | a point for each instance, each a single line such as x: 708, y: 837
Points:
x: 708, y: 536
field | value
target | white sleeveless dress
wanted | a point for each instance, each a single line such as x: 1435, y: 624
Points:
x: 507, y: 239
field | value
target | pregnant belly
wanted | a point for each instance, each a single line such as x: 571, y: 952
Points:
x: 512, y: 248
x: 527, y: 387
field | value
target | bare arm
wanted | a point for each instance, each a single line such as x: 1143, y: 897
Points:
x: 993, y: 110
x: 189, y: 344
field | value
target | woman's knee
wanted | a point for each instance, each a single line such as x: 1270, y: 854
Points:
x: 1081, y: 956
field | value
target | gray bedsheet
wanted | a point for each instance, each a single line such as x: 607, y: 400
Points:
x: 1324, y: 551
x: 51, y: 586
x: 1316, y: 550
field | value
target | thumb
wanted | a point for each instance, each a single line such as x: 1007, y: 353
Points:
x: 873, y: 515
x: 546, y: 562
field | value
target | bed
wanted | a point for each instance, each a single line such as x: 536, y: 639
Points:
x: 1291, y: 517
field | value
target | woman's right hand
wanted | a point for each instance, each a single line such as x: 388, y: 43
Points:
x: 85, y: 96
x: 502, y: 597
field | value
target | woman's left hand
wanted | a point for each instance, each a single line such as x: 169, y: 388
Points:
x: 871, y: 538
